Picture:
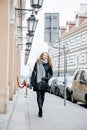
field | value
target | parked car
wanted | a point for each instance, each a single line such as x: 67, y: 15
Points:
x: 79, y: 86
x: 60, y: 90
x: 49, y: 83
x: 57, y: 86
x: 69, y: 87
x: 52, y: 86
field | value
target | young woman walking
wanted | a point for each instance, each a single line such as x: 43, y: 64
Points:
x: 41, y: 74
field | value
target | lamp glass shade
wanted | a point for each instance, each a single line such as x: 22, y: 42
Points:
x: 35, y: 25
x: 32, y: 23
x: 36, y: 3
x: 28, y: 46
x: 29, y: 38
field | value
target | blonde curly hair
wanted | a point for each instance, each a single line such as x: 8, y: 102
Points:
x: 48, y: 59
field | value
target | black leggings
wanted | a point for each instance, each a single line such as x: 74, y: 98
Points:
x: 40, y: 98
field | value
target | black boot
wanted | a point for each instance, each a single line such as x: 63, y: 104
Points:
x: 40, y: 112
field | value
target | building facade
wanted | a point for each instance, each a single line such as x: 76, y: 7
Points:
x: 9, y: 53
x: 74, y: 38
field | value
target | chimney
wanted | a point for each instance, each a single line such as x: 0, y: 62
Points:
x: 70, y: 25
x: 80, y: 18
x: 62, y: 30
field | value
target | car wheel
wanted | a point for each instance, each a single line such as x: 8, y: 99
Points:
x: 59, y: 93
x: 56, y: 91
x: 51, y: 91
x: 68, y: 95
x: 72, y: 99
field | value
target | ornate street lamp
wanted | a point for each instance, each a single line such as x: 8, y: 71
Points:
x: 32, y: 23
x: 36, y: 3
x: 26, y: 56
x: 25, y: 62
x: 26, y: 53
x: 28, y: 46
x: 29, y: 37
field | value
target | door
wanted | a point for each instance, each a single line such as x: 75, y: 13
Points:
x: 76, y: 84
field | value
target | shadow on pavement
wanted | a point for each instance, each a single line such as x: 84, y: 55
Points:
x: 83, y: 105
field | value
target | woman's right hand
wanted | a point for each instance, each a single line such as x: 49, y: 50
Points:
x: 45, y: 79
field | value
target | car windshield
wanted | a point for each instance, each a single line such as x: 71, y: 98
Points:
x: 83, y: 76
x: 60, y: 80
x: 57, y: 80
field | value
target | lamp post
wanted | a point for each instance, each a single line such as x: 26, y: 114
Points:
x: 65, y: 81
x: 32, y: 23
x: 29, y: 37
x: 28, y: 46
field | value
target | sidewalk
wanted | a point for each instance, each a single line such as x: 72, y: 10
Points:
x: 23, y: 114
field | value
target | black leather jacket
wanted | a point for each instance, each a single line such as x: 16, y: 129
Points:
x: 48, y: 70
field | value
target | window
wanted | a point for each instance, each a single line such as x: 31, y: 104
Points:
x: 77, y: 41
x: 86, y: 56
x: 83, y: 38
x: 83, y: 76
x: 77, y: 75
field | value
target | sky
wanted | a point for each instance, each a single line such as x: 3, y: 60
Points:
x: 66, y: 10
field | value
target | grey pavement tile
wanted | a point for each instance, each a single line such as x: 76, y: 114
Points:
x: 56, y: 116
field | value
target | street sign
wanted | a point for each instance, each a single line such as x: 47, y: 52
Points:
x: 51, y: 27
